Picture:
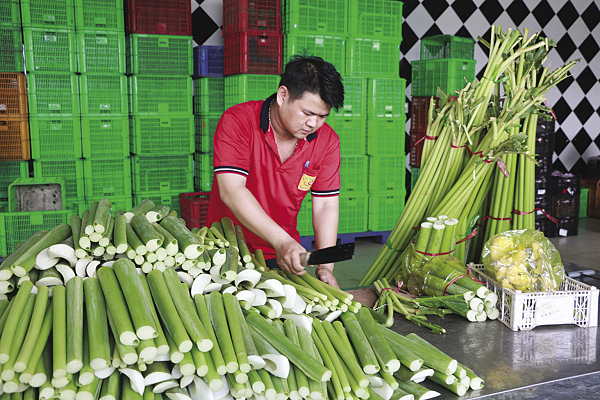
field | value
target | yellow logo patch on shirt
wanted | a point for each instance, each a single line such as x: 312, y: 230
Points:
x: 306, y: 182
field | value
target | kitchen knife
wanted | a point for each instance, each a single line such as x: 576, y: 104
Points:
x: 327, y: 255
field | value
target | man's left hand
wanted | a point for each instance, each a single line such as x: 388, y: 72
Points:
x: 325, y: 273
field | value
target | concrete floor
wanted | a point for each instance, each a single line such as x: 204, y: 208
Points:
x: 583, y: 250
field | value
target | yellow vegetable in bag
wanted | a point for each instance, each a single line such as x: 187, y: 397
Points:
x: 523, y: 260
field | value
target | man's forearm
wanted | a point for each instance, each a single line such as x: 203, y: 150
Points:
x: 249, y: 212
x: 325, y: 221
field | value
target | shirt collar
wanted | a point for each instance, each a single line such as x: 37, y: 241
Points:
x: 264, y: 118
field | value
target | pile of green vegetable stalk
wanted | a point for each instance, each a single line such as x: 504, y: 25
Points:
x: 215, y: 324
x: 468, y: 138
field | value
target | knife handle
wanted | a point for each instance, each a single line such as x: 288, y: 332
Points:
x: 304, y: 258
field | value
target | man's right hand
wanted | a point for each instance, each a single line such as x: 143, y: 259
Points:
x: 288, y: 256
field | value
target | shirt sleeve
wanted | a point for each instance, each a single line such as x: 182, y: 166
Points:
x: 232, y: 143
x: 328, y: 181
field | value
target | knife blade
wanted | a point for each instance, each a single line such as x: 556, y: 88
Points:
x: 340, y: 252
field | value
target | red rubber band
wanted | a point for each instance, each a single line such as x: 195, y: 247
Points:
x: 433, y: 255
x: 451, y: 282
x: 550, y: 217
x: 471, y: 236
x: 469, y: 275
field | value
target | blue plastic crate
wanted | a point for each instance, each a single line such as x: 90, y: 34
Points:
x: 208, y: 61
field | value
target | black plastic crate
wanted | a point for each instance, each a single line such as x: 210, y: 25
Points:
x: 542, y: 203
x: 545, y: 165
x: 544, y: 225
x: 564, y: 186
x: 563, y: 207
x: 565, y: 227
x: 542, y: 185
x: 545, y: 127
x: 544, y: 145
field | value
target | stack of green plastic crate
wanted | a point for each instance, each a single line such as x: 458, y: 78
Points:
x: 11, y: 60
x: 53, y: 93
x: 446, y: 62
x: 11, y: 37
x: 385, y: 146
x: 209, y: 105
x: 104, y: 106
x: 161, y: 117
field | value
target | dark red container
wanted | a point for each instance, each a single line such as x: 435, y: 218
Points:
x: 420, y: 111
x: 253, y: 52
x: 244, y: 15
x: 159, y: 17
x: 416, y: 147
x: 194, y: 208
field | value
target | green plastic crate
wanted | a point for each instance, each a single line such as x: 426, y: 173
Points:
x: 209, y: 96
x: 124, y: 203
x: 247, y: 87
x: 205, y: 127
x: 354, y: 174
x: 448, y: 74
x: 101, y: 52
x: 373, y: 58
x: 354, y: 212
x: 53, y: 95
x: 447, y: 46
x: 103, y: 95
x: 387, y: 173
x: 19, y: 226
x: 355, y: 99
x: 315, y: 16
x: 160, y: 55
x: 53, y: 137
x: 304, y: 225
x: 50, y: 49
x: 386, y: 136
x: 583, y: 202
x: 159, y: 95
x: 414, y: 176
x: 159, y: 197
x: 107, y: 177
x: 375, y: 19
x: 353, y: 134
x: 330, y: 48
x: 48, y: 13
x: 106, y: 136
x: 9, y: 171
x: 99, y: 14
x: 10, y: 12
x: 166, y: 173
x: 387, y: 97
x: 203, y: 171
x: 165, y: 134
x: 11, y: 47
x: 385, y: 209
x: 71, y: 171
x: 51, y: 197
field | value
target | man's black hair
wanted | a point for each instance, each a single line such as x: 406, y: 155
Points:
x: 312, y: 74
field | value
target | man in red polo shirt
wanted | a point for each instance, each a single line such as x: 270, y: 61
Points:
x: 269, y: 154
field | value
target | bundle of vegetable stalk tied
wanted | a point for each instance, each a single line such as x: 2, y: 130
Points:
x: 443, y: 284
x: 491, y: 122
x: 211, y: 323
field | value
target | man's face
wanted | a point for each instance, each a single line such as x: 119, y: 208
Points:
x: 302, y: 116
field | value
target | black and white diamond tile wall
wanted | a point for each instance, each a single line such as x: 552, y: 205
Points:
x: 574, y: 25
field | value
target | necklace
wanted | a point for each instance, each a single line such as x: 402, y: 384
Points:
x: 271, y: 105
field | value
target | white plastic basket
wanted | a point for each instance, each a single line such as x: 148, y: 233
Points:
x: 575, y: 303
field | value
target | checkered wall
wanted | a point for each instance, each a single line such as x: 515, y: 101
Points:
x: 574, y: 26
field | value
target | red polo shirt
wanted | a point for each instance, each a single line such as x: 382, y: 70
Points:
x: 244, y: 144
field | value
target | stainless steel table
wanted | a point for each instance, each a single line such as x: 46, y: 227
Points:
x: 548, y: 362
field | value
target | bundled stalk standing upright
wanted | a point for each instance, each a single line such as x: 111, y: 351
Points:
x: 467, y: 138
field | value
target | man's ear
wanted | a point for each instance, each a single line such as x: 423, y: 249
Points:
x: 282, y: 94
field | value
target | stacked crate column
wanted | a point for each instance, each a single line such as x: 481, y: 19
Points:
x: 104, y: 104
x: 161, y: 116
